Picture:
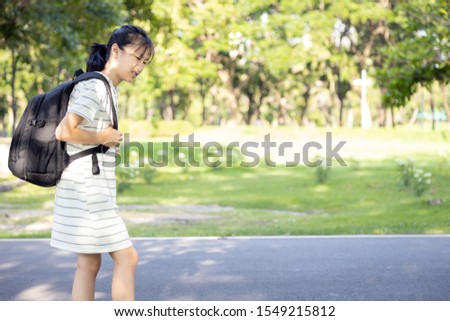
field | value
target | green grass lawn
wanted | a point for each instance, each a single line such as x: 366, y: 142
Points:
x: 289, y: 201
x: 361, y: 198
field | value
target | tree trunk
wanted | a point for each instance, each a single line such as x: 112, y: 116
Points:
x: 251, y: 108
x: 214, y: 107
x: 227, y: 77
x: 162, y: 107
x: 444, y: 99
x: 281, y: 111
x: 342, y: 87
x: 433, y: 120
x: 204, y: 109
x: 392, y: 116
x: 172, y: 103
x: 341, y: 112
x: 331, y: 106
x: 148, y: 111
x: 413, y: 119
x: 306, y: 97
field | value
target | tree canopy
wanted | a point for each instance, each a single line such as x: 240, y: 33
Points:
x: 246, y: 62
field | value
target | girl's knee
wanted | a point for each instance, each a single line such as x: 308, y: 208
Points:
x: 134, y: 257
x: 127, y: 257
x: 89, y: 263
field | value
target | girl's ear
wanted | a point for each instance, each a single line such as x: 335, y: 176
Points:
x: 115, y: 50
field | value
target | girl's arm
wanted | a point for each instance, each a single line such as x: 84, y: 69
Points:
x: 68, y: 131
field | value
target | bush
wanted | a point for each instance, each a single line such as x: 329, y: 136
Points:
x: 127, y: 175
x: 421, y: 181
x: 413, y: 177
x: 406, y: 170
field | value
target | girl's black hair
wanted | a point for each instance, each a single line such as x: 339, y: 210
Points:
x: 123, y: 36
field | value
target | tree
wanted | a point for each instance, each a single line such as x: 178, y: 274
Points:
x: 360, y: 30
x: 419, y: 52
x: 237, y: 61
x: 49, y: 36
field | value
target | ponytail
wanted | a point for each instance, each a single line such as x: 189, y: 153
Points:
x: 97, y: 57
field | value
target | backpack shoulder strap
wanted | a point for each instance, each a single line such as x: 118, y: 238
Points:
x: 79, y: 76
x: 91, y: 151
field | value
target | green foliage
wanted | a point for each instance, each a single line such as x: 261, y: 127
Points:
x: 406, y: 173
x: 124, y: 177
x: 49, y: 38
x: 421, y: 181
x: 411, y: 176
x: 420, y: 50
x: 322, y: 173
x: 51, y: 34
x: 233, y: 61
x: 127, y: 177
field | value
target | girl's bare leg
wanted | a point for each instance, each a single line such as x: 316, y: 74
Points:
x: 125, y: 263
x: 88, y: 266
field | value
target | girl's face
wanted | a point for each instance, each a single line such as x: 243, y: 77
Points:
x: 130, y: 60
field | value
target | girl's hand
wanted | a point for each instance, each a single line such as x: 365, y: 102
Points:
x: 111, y: 137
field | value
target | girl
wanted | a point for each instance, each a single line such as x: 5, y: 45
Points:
x: 86, y: 218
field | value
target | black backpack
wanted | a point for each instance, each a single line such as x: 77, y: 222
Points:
x: 35, y: 155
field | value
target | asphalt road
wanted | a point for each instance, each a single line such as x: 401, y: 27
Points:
x: 384, y: 268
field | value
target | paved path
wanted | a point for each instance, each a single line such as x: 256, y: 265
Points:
x: 247, y: 268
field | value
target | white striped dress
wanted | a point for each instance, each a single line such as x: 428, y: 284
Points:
x: 86, y: 217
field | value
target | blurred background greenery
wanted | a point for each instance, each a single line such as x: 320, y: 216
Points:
x: 283, y: 62
x: 374, y: 73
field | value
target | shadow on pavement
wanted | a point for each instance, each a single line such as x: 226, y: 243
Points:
x: 266, y: 268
